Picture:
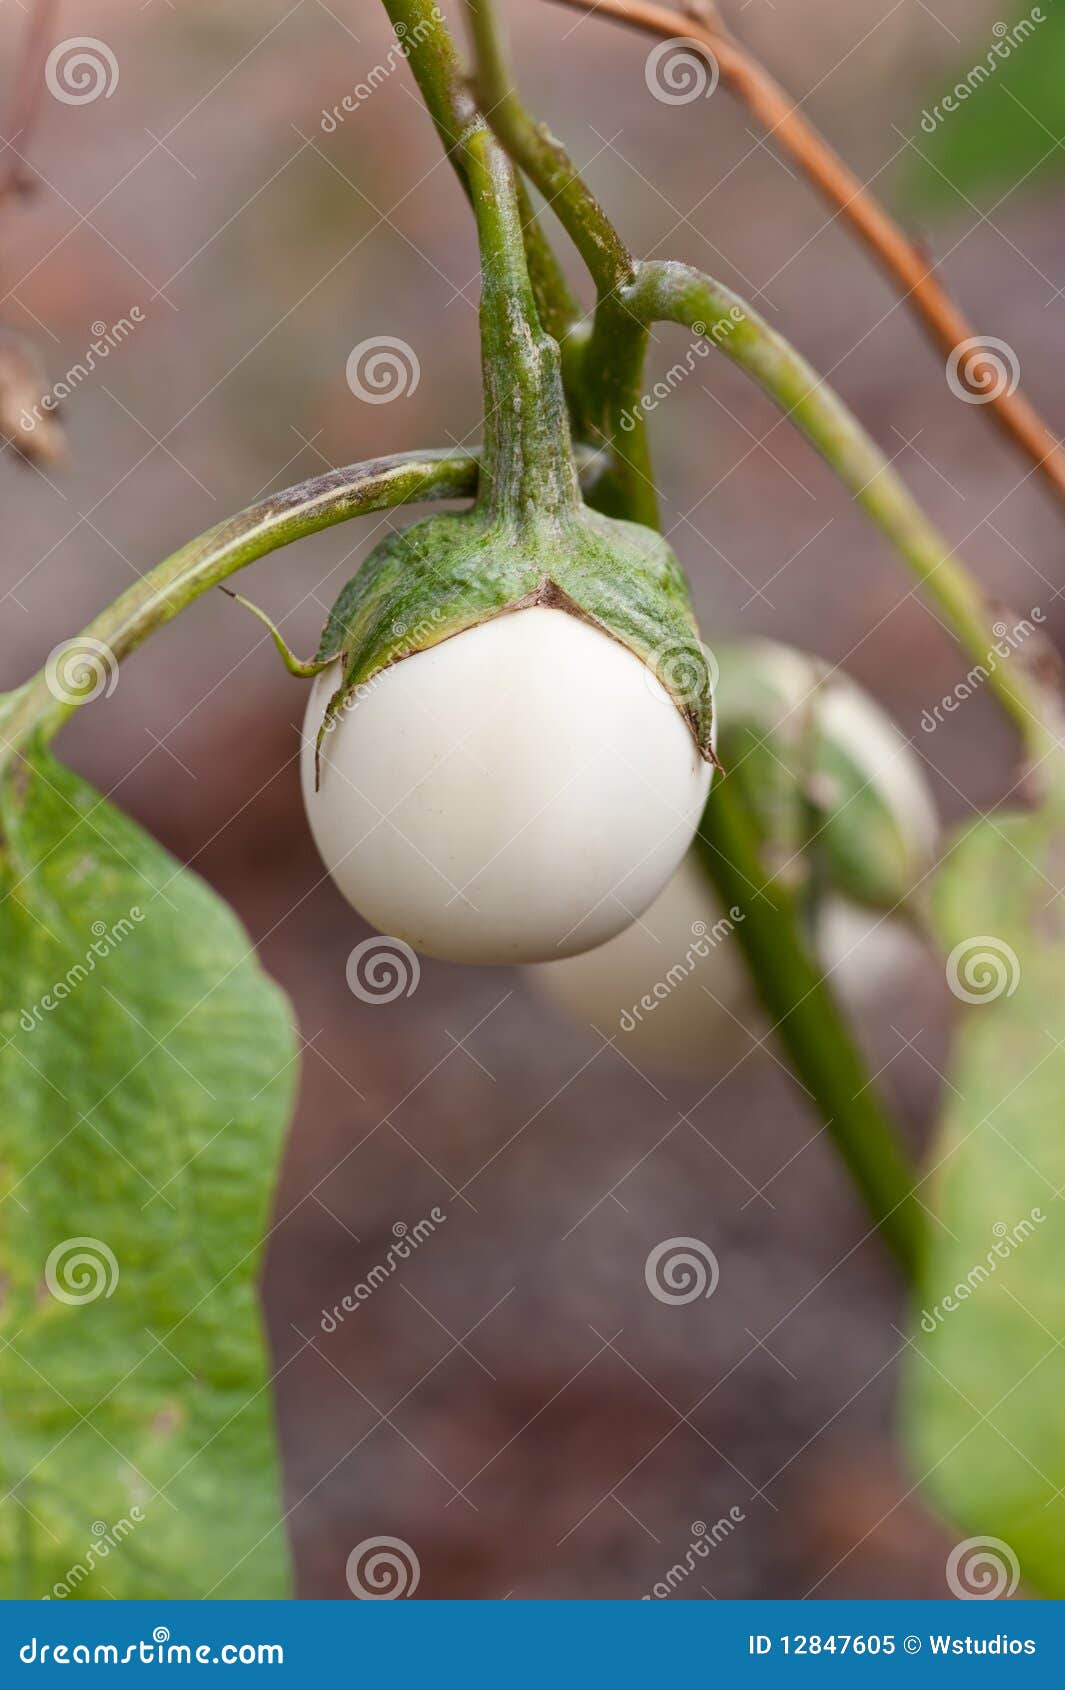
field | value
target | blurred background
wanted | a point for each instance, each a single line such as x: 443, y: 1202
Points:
x: 512, y: 1402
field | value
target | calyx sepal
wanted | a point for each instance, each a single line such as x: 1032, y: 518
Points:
x: 449, y: 573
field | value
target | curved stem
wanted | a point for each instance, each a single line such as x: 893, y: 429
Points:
x: 899, y: 256
x: 809, y: 1024
x: 676, y: 293
x: 421, y: 28
x: 544, y: 159
x: 158, y: 596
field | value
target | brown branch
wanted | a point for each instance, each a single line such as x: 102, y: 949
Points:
x: 900, y: 256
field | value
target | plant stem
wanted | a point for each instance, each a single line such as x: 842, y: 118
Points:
x: 527, y: 463
x: 904, y: 261
x: 544, y: 159
x: 205, y: 562
x: 809, y: 1024
x: 556, y: 306
x: 676, y: 293
x: 603, y: 368
x: 421, y: 27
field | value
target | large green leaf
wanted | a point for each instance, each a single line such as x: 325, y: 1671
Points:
x: 985, y: 1400
x: 992, y: 120
x: 146, y: 1071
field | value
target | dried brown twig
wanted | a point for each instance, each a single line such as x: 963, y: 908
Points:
x: 899, y: 255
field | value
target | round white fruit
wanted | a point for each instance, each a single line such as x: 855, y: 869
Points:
x: 519, y: 792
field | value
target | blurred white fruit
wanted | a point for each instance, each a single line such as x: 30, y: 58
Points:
x: 673, y: 988
x: 518, y: 792
x: 826, y: 773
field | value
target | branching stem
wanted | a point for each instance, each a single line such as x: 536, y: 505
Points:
x: 902, y: 258
x: 676, y: 293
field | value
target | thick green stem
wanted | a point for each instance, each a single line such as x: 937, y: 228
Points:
x: 205, y: 562
x: 809, y: 1024
x: 528, y: 467
x: 603, y: 368
x: 678, y: 294
x: 528, y: 459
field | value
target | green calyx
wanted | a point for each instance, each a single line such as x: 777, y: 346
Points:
x: 447, y: 574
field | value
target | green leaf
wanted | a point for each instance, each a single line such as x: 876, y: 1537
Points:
x: 991, y: 121
x: 146, y: 1072
x: 985, y: 1393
